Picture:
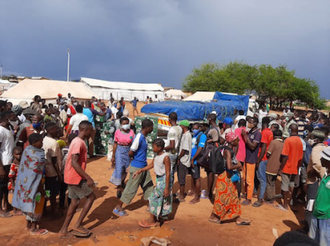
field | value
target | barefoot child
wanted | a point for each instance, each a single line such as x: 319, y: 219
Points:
x: 17, y: 154
x: 79, y: 182
x: 160, y: 200
x: 29, y: 188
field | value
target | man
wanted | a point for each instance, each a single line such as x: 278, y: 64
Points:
x: 273, y: 165
x: 173, y: 140
x: 36, y: 104
x: 90, y: 113
x: 6, y: 155
x: 134, y: 103
x: 289, y: 121
x: 315, y: 171
x: 183, y: 161
x: 114, y: 110
x: 252, y: 140
x: 35, y: 127
x: 266, y: 138
x: 107, y: 111
x: 75, y: 121
x: 227, y: 124
x: 68, y: 100
x: 319, y: 229
x: 291, y: 159
x: 79, y: 182
x: 239, y: 117
x: 138, y: 152
x: 213, y: 136
x: 60, y: 100
x: 301, y: 122
x: 53, y: 164
x: 198, y: 143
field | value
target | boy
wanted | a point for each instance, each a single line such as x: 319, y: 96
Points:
x: 134, y: 102
x: 6, y: 156
x: 138, y: 152
x: 319, y: 229
x: 184, y: 157
x: 79, y: 182
x: 198, y: 143
x: 53, y: 164
x: 273, y: 165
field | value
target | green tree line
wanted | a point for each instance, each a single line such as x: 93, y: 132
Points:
x: 278, y: 84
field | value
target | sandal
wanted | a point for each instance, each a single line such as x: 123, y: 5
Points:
x: 66, y: 236
x: 39, y: 232
x: 194, y: 201
x: 145, y: 224
x: 119, y: 212
x: 257, y: 204
x: 216, y: 221
x: 82, y: 234
x: 6, y: 215
x: 245, y: 222
x: 280, y: 207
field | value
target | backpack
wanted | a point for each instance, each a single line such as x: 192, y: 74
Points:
x: 203, y: 159
x: 217, y: 162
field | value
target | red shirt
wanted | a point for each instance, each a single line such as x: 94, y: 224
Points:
x: 77, y: 146
x: 266, y: 137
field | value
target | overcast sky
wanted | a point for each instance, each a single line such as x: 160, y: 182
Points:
x: 162, y: 41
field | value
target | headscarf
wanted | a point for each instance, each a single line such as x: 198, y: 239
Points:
x: 231, y: 137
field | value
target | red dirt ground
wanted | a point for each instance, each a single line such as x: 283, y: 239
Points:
x: 188, y: 225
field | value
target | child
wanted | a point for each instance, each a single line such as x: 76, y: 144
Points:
x: 319, y: 229
x: 79, y: 182
x: 160, y: 200
x: 184, y: 157
x: 29, y: 188
x: 138, y: 152
x: 17, y: 154
x: 273, y: 165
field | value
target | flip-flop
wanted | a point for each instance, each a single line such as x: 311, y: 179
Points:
x: 40, y: 232
x: 215, y: 221
x: 245, y: 222
x: 194, y: 201
x: 181, y: 199
x: 257, y: 204
x: 6, y: 215
x: 80, y: 233
x: 18, y: 213
x: 144, y: 224
x: 280, y: 207
x: 119, y: 213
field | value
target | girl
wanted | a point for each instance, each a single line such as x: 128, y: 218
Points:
x: 226, y: 204
x: 160, y: 201
x: 17, y: 154
x: 120, y: 159
x: 29, y: 193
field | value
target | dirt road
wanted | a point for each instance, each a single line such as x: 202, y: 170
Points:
x: 188, y: 225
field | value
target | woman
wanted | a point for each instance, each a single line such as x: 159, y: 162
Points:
x: 120, y: 159
x: 29, y: 193
x: 226, y: 204
x: 160, y: 200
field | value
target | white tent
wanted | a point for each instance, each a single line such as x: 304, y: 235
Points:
x: 5, y: 85
x: 47, y: 89
x: 128, y: 90
x: 204, y: 96
x: 175, y: 94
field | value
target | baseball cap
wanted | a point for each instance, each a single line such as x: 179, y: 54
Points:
x: 228, y: 121
x: 24, y: 104
x: 184, y: 123
x: 325, y: 154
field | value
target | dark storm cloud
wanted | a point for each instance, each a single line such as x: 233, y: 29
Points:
x: 161, y: 41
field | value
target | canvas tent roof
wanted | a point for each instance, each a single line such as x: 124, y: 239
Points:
x: 47, y: 89
x: 122, y: 85
x: 204, y: 96
x: 175, y: 93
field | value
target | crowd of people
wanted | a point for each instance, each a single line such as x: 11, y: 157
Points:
x: 44, y: 151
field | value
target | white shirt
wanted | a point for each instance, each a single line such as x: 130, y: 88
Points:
x: 76, y: 120
x: 7, y: 146
x: 186, y: 144
x: 159, y: 165
x: 114, y: 111
x: 175, y: 134
x: 238, y: 118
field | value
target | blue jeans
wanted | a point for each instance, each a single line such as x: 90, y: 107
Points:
x: 320, y: 231
x: 261, y: 174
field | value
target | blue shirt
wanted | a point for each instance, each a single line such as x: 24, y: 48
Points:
x: 140, y: 148
x: 134, y: 103
x: 90, y: 115
x: 200, y: 144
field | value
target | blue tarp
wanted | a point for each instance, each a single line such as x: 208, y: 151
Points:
x: 196, y: 110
